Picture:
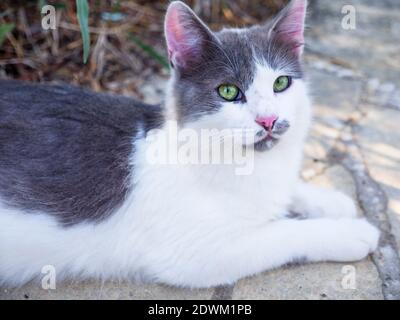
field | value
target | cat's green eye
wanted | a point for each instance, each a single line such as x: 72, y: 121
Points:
x: 282, y: 83
x: 229, y: 92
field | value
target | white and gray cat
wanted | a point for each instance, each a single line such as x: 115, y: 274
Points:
x: 77, y: 191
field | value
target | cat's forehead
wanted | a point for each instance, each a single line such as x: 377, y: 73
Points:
x: 237, y: 56
x: 248, y: 47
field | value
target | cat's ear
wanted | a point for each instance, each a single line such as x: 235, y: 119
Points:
x: 288, y: 26
x: 187, y: 36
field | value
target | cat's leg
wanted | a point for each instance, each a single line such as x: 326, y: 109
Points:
x: 219, y: 258
x: 314, y: 202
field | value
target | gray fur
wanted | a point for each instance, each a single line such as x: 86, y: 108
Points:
x: 279, y: 129
x: 229, y: 56
x: 65, y: 151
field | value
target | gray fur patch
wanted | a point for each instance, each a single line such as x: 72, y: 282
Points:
x: 279, y: 129
x: 65, y: 151
x: 298, y: 261
x: 229, y: 56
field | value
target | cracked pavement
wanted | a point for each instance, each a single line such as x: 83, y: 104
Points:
x: 354, y: 146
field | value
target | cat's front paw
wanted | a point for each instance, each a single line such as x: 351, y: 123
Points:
x: 342, y: 206
x: 353, y: 240
x: 333, y: 205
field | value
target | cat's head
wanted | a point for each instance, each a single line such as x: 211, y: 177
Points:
x: 249, y: 79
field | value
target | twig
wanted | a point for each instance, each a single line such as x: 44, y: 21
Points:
x: 27, y: 62
x: 27, y: 30
x: 116, y: 30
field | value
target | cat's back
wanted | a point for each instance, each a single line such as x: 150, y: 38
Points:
x: 31, y: 102
x: 65, y: 150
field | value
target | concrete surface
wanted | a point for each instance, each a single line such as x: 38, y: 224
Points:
x: 354, y: 146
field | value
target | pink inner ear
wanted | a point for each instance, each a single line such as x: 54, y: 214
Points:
x: 182, y: 38
x: 174, y: 32
x: 291, y: 26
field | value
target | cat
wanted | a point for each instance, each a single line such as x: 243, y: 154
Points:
x: 78, y: 193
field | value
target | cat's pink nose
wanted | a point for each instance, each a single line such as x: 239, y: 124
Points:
x: 267, y: 122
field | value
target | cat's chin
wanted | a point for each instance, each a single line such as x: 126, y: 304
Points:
x: 264, y: 144
x: 266, y: 140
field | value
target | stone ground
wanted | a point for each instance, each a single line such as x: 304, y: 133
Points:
x: 354, y: 146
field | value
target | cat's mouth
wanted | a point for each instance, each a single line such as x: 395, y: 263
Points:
x: 265, y: 143
x: 267, y: 139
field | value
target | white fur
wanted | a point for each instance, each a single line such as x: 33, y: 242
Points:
x: 200, y: 226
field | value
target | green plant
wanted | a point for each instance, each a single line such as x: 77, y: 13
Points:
x: 82, y: 8
x: 83, y: 18
x: 4, y: 29
x: 150, y: 51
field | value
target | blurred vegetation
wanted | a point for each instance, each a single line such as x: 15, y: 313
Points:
x: 121, y: 40
x: 82, y: 9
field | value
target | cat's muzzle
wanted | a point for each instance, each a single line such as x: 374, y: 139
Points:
x: 269, y: 138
